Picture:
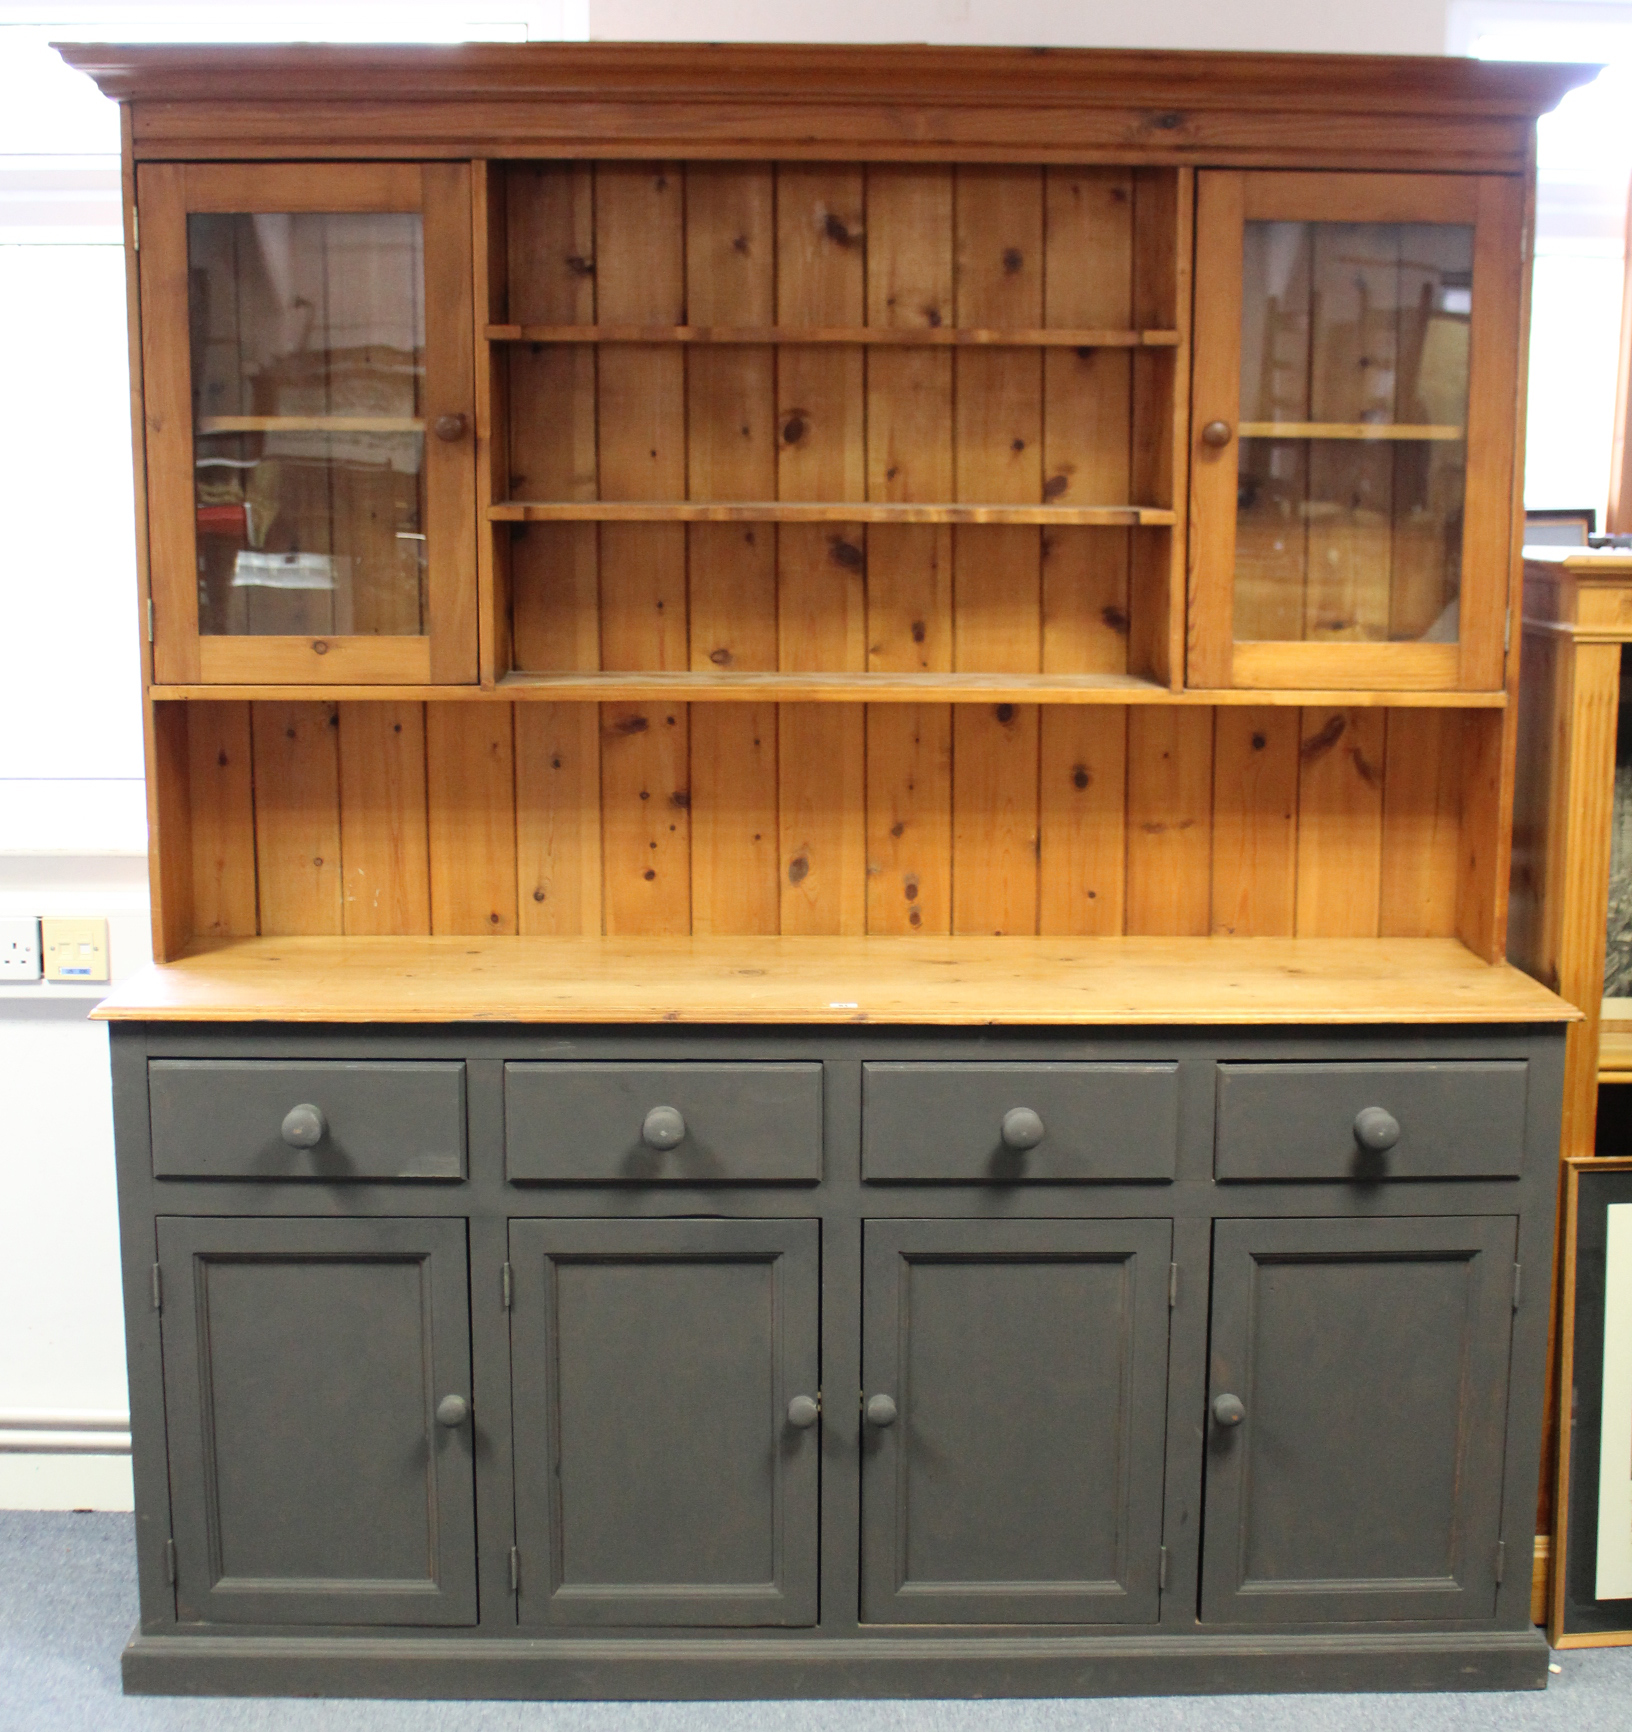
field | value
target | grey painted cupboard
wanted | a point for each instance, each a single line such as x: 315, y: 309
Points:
x: 593, y: 1361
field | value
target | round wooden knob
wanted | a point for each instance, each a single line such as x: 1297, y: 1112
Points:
x: 304, y: 1127
x: 803, y: 1412
x: 452, y: 1410
x: 1376, y: 1129
x: 1228, y: 1409
x: 663, y: 1128
x: 1022, y: 1128
x: 881, y: 1411
x: 1216, y: 434
x: 450, y: 427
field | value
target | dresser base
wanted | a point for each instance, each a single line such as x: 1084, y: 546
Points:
x: 579, y: 1669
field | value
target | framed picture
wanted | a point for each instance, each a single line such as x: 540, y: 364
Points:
x: 1558, y: 528
x: 1592, y: 1512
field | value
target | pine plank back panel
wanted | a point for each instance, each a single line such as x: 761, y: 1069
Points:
x: 460, y: 818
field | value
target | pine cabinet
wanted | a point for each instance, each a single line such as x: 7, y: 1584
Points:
x: 830, y: 747
x: 311, y: 449
x: 1353, y: 451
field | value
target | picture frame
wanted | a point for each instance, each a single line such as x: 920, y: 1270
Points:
x: 1590, y: 1604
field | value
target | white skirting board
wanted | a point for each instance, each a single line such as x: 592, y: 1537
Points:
x: 70, y: 1481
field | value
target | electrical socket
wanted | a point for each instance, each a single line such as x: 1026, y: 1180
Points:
x: 19, y: 948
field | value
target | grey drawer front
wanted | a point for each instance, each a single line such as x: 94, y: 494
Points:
x: 1459, y: 1119
x: 581, y: 1123
x: 223, y: 1119
x: 944, y: 1121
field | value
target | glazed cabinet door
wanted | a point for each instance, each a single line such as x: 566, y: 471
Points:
x: 667, y: 1434
x: 1356, y: 353
x: 309, y: 388
x: 1357, y: 1412
x: 1015, y: 1379
x: 316, y: 1392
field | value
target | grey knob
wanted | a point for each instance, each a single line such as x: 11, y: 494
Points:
x: 450, y: 427
x: 663, y: 1128
x: 1228, y: 1410
x: 304, y: 1127
x: 1216, y: 434
x: 880, y: 1411
x: 1376, y: 1129
x: 452, y: 1410
x: 1022, y: 1128
x: 803, y: 1412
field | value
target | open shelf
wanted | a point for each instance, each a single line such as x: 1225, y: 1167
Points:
x: 835, y: 511
x: 914, y: 336
x: 309, y: 424
x: 1414, y: 432
x: 1082, y: 982
x: 593, y: 686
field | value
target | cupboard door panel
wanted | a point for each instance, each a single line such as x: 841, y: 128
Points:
x: 659, y: 1479
x: 303, y: 1364
x: 1021, y: 1481
x: 1352, y: 433
x: 310, y: 447
x: 1365, y: 1479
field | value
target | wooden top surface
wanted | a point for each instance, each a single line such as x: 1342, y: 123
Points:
x: 766, y: 71
x: 1061, y: 981
x: 736, y: 101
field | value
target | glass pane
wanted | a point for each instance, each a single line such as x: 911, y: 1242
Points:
x: 1354, y: 338
x: 308, y: 357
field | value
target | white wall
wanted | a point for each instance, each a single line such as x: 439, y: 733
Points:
x: 1381, y: 27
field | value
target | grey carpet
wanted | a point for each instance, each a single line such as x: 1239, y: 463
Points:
x: 68, y: 1600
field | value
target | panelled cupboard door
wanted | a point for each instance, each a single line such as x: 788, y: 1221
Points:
x: 1356, y: 344
x: 309, y: 387
x: 1358, y: 1473
x: 305, y: 1361
x: 660, y: 1475
x: 1015, y: 1378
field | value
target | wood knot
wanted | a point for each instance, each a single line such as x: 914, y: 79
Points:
x: 1318, y: 745
x: 1013, y: 260
x: 631, y: 725
x: 794, y: 428
x: 1054, y: 486
x: 846, y: 554
x: 798, y: 869
x: 1080, y: 777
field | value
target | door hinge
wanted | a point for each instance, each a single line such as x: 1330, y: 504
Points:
x: 1172, y: 1285
x: 1501, y: 1559
x: 150, y: 619
x: 170, y: 1562
x: 135, y: 230
x: 158, y: 1288
x: 1507, y: 633
x: 1161, y: 1572
x: 505, y: 1290
x: 515, y: 1570
x: 1518, y: 1276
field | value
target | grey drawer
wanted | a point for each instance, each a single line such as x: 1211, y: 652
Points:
x: 747, y: 1123
x: 223, y: 1119
x: 1458, y: 1119
x: 945, y: 1121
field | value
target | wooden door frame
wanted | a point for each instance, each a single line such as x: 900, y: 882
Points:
x: 1227, y: 199
x: 441, y: 194
x: 448, y: 1597
x: 1144, y: 1244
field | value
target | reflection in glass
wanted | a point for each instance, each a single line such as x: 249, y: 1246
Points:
x: 308, y: 365
x: 1354, y: 339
